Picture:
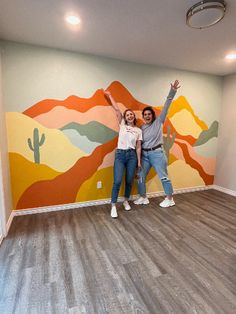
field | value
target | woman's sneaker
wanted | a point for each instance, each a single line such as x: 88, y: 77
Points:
x: 114, y: 211
x: 126, y: 205
x: 167, y: 203
x: 141, y: 201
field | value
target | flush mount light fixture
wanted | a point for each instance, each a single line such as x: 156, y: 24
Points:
x: 205, y: 13
x: 72, y: 19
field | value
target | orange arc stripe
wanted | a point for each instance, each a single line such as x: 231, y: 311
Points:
x: 207, y: 178
x: 63, y: 189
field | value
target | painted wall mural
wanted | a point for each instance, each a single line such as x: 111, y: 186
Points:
x: 60, y: 149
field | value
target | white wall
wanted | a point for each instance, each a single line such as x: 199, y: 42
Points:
x: 226, y: 154
x: 32, y: 73
x: 5, y: 191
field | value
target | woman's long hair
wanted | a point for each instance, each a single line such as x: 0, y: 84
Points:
x: 124, y: 114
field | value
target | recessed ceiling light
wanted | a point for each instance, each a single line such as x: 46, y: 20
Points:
x: 231, y: 56
x: 73, y: 19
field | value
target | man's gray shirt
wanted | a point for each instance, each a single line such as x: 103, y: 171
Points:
x: 152, y: 132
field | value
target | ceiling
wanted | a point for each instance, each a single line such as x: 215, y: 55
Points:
x: 143, y: 31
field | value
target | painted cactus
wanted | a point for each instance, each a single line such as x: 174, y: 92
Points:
x: 169, y: 140
x: 36, y: 144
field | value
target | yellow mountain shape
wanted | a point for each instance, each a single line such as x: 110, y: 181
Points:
x: 153, y: 183
x: 181, y: 175
x: 172, y: 158
x: 88, y: 191
x: 184, y: 123
x: 184, y: 176
x: 181, y: 103
x: 57, y: 152
x: 24, y: 173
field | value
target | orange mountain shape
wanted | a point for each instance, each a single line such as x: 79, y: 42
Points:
x: 82, y: 105
x: 71, y: 102
x: 118, y: 91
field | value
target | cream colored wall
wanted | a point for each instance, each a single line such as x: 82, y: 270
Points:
x: 34, y: 73
x: 5, y: 192
x: 226, y: 154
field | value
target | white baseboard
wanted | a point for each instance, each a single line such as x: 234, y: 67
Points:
x: 183, y: 190
x: 9, y: 222
x: 224, y: 190
x: 47, y: 209
x: 8, y: 225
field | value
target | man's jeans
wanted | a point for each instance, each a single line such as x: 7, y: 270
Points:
x: 124, y: 159
x: 156, y: 159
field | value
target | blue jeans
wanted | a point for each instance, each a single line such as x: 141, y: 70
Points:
x: 156, y: 159
x: 124, y: 160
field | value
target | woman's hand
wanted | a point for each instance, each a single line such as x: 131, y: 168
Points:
x: 114, y: 104
x: 175, y: 85
x: 107, y: 93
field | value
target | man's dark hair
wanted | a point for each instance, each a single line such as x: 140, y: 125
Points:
x: 152, y: 111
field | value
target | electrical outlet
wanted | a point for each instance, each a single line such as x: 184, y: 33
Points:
x: 99, y: 184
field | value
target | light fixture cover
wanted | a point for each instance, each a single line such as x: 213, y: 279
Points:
x: 231, y: 56
x: 205, y: 13
x: 72, y: 19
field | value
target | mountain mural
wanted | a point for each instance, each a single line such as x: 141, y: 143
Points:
x: 206, y: 135
x: 63, y: 188
x: 65, y: 146
x: 94, y: 131
x: 72, y: 102
x: 57, y: 152
x: 24, y: 173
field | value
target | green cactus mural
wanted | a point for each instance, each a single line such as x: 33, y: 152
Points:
x: 36, y: 144
x: 169, y: 140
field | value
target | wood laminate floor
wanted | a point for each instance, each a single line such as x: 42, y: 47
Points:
x: 149, y: 260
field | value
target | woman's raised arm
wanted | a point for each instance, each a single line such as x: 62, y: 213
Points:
x: 114, y: 105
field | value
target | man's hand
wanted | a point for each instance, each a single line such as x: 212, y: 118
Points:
x: 175, y: 85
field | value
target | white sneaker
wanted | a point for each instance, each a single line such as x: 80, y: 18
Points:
x: 141, y: 201
x: 126, y: 205
x: 114, y: 211
x: 167, y: 203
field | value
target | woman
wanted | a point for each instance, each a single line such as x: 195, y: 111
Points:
x: 128, y: 154
x: 153, y: 154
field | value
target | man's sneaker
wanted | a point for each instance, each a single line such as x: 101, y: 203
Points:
x: 141, y: 201
x: 126, y: 205
x: 167, y: 203
x: 114, y: 211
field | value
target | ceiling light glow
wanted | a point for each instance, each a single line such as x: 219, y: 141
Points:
x: 231, y: 56
x: 73, y: 19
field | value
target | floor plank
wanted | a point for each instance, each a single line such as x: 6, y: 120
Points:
x: 149, y: 260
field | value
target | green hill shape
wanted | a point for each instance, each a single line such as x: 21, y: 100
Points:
x: 206, y: 135
x: 94, y: 131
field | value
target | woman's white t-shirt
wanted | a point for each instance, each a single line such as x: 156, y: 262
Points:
x: 128, y: 136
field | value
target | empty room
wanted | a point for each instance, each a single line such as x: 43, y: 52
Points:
x: 117, y: 156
